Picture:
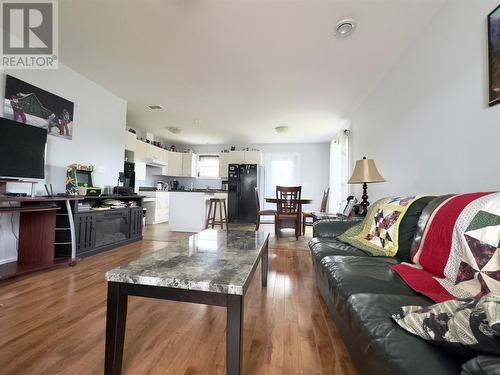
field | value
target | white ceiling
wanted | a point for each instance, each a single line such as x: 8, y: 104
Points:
x: 230, y: 71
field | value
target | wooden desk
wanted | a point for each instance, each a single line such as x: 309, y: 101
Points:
x: 37, y: 232
x: 299, y: 202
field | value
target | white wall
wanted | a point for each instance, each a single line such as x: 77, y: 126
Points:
x: 313, y: 173
x: 428, y: 125
x: 98, y: 137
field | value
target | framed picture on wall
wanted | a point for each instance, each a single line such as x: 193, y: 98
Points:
x: 494, y: 56
x: 33, y: 106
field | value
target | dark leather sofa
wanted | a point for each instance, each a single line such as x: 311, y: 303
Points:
x: 362, y: 292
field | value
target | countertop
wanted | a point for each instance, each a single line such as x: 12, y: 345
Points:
x: 199, y: 191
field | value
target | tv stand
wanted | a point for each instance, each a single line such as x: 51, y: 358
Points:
x: 37, y: 232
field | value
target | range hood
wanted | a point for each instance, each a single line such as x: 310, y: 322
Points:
x: 155, y: 162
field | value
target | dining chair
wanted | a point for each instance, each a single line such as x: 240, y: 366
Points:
x: 287, y: 208
x: 262, y: 212
x: 309, y: 214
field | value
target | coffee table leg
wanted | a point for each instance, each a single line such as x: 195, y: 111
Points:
x: 116, y: 318
x: 234, y: 334
x: 265, y: 264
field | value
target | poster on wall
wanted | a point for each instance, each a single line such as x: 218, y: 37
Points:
x: 494, y: 55
x: 33, y: 106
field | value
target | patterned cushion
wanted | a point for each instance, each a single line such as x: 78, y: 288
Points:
x: 465, y: 327
x: 378, y: 234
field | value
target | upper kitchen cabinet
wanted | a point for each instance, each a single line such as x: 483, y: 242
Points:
x: 223, y: 163
x: 155, y: 153
x: 141, y: 151
x: 254, y: 157
x: 189, y: 164
x: 130, y: 141
x: 174, y: 164
x: 238, y: 157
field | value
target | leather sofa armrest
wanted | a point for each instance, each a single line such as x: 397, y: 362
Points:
x: 328, y: 228
x: 481, y: 365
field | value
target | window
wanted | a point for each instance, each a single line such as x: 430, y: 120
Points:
x: 208, y: 166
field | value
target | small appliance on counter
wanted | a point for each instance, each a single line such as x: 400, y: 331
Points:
x: 126, y: 180
x: 175, y: 185
x: 79, y: 180
x: 162, y: 186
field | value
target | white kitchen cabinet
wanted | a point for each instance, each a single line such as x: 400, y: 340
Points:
x: 130, y: 141
x: 223, y: 163
x: 254, y: 157
x: 154, y: 152
x: 174, y: 164
x: 189, y: 164
x: 157, y: 204
x: 141, y: 151
x: 238, y: 157
x: 140, y: 170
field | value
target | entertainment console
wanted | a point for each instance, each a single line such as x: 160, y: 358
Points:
x: 55, y: 231
x: 100, y: 230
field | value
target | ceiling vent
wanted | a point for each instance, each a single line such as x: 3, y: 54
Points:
x: 345, y: 28
x: 155, y: 107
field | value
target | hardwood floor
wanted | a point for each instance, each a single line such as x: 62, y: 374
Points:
x: 53, y: 322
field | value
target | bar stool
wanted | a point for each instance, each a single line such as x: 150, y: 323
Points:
x: 211, y: 220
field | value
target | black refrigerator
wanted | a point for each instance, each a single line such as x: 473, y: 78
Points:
x: 241, y: 184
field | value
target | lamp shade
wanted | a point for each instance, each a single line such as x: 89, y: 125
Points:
x: 365, y: 171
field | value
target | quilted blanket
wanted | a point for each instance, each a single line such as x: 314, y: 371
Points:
x: 458, y: 255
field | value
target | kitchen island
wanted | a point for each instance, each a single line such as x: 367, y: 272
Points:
x: 188, y: 209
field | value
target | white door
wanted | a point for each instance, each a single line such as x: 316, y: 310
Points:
x: 280, y: 169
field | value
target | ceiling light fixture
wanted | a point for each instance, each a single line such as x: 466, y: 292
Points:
x: 174, y: 129
x: 155, y: 107
x: 281, y: 129
x: 345, y: 28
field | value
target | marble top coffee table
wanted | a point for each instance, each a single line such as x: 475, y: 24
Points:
x: 212, y: 267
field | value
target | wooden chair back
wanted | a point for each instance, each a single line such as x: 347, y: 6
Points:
x: 324, y: 201
x: 286, y: 196
x: 257, y: 201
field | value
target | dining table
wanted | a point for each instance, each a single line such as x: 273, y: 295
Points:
x: 299, y: 202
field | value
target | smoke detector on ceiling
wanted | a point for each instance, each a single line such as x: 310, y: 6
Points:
x: 281, y: 129
x: 345, y: 28
x: 174, y: 129
x: 155, y: 107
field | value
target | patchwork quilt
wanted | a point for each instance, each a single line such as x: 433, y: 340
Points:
x: 458, y: 255
x: 378, y: 233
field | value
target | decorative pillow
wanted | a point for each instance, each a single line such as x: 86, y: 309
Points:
x: 409, y: 225
x: 464, y: 327
x: 378, y: 234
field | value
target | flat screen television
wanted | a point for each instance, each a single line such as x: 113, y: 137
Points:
x: 22, y: 151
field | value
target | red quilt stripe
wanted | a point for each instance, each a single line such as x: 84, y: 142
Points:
x: 437, y: 245
x: 423, y: 282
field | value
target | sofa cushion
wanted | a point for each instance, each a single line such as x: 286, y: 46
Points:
x: 380, y: 346
x: 424, y: 218
x: 483, y: 364
x: 352, y: 275
x: 331, y: 228
x: 331, y: 246
x: 408, y: 227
